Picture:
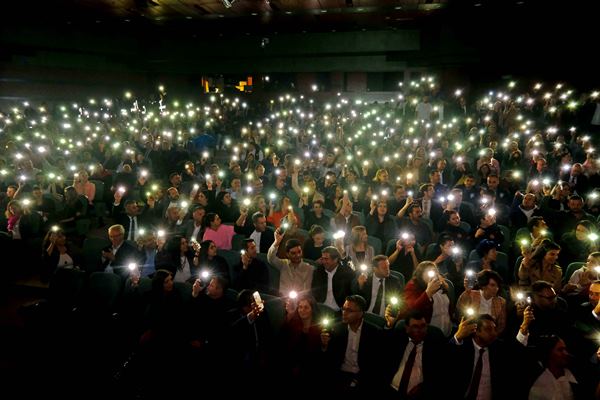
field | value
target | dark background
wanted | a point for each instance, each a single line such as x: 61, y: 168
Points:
x: 69, y: 49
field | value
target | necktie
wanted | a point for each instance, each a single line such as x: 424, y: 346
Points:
x: 377, y: 306
x: 408, y: 367
x: 474, y: 387
x: 131, y: 235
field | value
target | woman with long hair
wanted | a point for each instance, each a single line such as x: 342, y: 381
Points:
x: 58, y: 252
x: 541, y: 265
x: 178, y: 257
x: 208, y: 259
x: 358, y: 250
x: 427, y: 292
x: 300, y: 339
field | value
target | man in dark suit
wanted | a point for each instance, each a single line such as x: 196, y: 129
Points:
x: 251, y: 273
x: 351, y: 349
x: 379, y: 287
x: 576, y: 180
x: 332, y: 280
x: 411, y: 365
x: 194, y: 228
x: 587, y: 322
x: 484, y: 367
x: 262, y: 236
x: 345, y: 220
x: 129, y: 216
x: 120, y: 254
x: 522, y: 213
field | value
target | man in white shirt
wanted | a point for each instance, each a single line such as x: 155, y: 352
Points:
x: 411, y: 365
x: 295, y: 274
x: 351, y: 348
x: 483, y: 367
x: 556, y: 382
x: 379, y: 287
x: 332, y: 279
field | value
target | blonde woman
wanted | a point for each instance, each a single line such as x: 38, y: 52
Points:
x: 84, y: 187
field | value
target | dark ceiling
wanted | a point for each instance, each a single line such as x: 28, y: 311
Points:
x: 260, y: 16
x: 243, y: 13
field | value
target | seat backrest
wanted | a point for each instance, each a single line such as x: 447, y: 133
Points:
x: 185, y: 291
x: 328, y: 213
x: 104, y: 289
x: 465, y: 226
x: 92, y: 253
x: 428, y: 222
x: 274, y: 274
x: 505, y: 245
x: 66, y: 288
x: 326, y: 312
x: 574, y: 266
x: 275, y: 308
x: 237, y: 242
x: 473, y: 256
x: 232, y: 257
x: 390, y: 246
x: 400, y: 276
x: 361, y: 217
x: 303, y: 233
x: 375, y: 243
x: 99, y: 196
x: 375, y: 319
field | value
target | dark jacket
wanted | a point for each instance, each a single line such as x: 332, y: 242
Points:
x: 393, y: 287
x: 126, y: 254
x: 342, y: 281
x: 368, y: 352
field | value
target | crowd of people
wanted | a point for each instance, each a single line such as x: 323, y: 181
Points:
x: 442, y: 242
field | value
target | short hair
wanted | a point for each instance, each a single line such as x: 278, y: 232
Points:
x: 545, y: 345
x: 488, y: 192
x: 443, y: 239
x: 485, y: 246
x: 315, y: 230
x: 589, y: 225
x: 533, y: 222
x: 130, y: 201
x: 484, y: 317
x: 493, y: 176
x: 411, y: 208
x: 416, y: 315
x: 256, y: 216
x: 425, y: 187
x: 245, y: 298
x: 172, y: 175
x: 538, y: 286
x: 221, y: 281
x: 117, y: 227
x: 319, y: 201
x: 358, y: 300
x: 209, y: 218
x: 291, y: 243
x: 484, y: 277
x: 197, y: 207
x: 575, y: 197
x: 377, y: 259
x: 333, y: 252
x: 247, y: 242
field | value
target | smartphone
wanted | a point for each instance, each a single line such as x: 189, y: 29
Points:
x: 471, y: 279
x: 258, y: 300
